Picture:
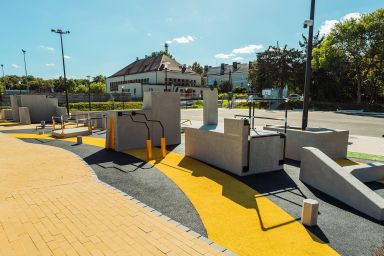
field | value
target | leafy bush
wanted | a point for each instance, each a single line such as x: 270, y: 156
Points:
x: 104, y: 106
x: 239, y: 89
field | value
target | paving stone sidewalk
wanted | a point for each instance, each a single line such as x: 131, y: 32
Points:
x: 51, y: 205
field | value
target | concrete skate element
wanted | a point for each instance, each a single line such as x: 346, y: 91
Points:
x: 127, y: 131
x: 6, y: 114
x: 41, y: 108
x: 71, y: 132
x: 332, y: 142
x: 345, y: 184
x: 210, y: 111
x: 234, y: 149
x: 24, y: 115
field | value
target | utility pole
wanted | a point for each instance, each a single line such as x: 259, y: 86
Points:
x: 61, y: 33
x: 25, y: 68
x: 308, y: 69
x: 89, y: 92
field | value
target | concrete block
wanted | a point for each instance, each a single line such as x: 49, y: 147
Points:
x: 266, y: 152
x: 332, y: 142
x: 15, y: 104
x: 309, y: 212
x: 123, y: 133
x: 210, y: 111
x: 6, y: 114
x: 24, y: 115
x: 60, y: 111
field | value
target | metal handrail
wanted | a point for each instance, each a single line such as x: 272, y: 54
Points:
x: 150, y: 120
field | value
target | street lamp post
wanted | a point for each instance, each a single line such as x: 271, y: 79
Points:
x: 89, y: 92
x: 61, y: 33
x: 308, y: 69
x: 2, y: 69
x: 25, y: 68
x: 166, y: 75
x: 122, y: 95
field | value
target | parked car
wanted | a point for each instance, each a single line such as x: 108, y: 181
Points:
x: 294, y: 97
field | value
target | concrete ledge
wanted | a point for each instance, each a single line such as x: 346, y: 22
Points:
x: 322, y: 173
x: 332, y: 142
x: 71, y: 132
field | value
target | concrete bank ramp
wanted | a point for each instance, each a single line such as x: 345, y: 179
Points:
x: 343, y: 183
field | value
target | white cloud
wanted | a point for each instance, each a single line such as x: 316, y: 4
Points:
x: 328, y: 25
x: 15, y: 66
x: 67, y: 57
x: 352, y: 15
x: 149, y: 34
x: 238, y: 59
x: 247, y: 49
x: 224, y: 56
x: 168, y: 42
x: 51, y: 49
x: 182, y: 40
x: 50, y: 64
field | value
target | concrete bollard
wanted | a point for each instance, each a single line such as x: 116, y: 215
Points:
x: 309, y: 212
x: 79, y: 140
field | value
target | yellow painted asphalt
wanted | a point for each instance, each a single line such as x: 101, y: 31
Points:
x: 51, y: 205
x: 234, y: 214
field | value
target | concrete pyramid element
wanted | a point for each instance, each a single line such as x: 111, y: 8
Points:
x: 343, y: 183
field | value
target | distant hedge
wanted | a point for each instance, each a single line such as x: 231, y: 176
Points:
x: 103, y: 106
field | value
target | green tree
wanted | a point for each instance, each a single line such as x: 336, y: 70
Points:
x: 279, y: 67
x: 153, y: 54
x: 351, y: 57
x: 196, y: 67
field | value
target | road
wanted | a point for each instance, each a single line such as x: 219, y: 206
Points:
x: 357, y: 125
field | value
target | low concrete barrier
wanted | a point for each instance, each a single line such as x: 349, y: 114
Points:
x: 332, y: 142
x: 24, y: 115
x: 324, y: 174
x: 6, y: 114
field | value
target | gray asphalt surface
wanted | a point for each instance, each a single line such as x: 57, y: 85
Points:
x: 357, y: 125
x: 138, y: 179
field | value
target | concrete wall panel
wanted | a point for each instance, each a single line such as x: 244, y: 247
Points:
x: 332, y: 142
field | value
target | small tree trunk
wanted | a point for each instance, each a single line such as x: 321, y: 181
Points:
x: 358, y: 92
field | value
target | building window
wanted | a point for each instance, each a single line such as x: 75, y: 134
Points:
x: 134, y: 91
x: 114, y: 86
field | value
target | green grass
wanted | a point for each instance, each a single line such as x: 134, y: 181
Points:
x: 365, y: 156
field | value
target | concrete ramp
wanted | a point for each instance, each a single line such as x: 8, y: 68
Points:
x: 345, y: 184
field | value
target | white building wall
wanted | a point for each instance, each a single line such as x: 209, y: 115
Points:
x: 154, y: 78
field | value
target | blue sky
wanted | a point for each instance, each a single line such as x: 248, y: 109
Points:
x: 107, y: 35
